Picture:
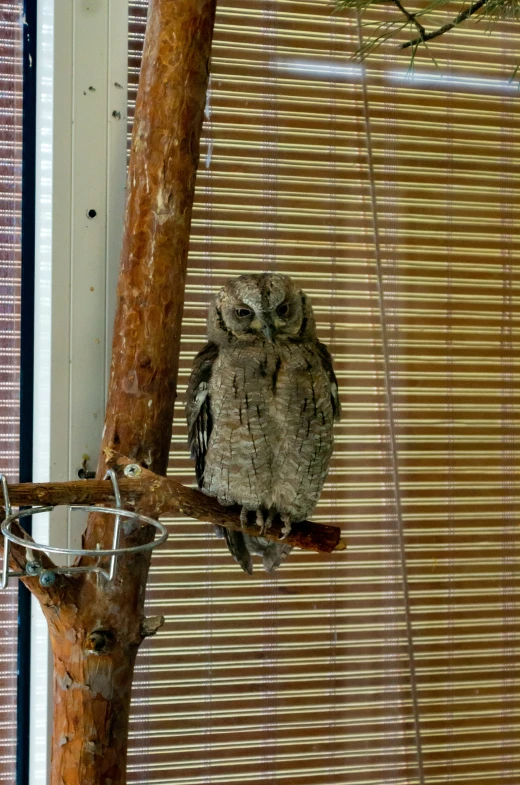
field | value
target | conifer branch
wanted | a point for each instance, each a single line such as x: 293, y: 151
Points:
x: 472, y: 9
x: 385, y: 29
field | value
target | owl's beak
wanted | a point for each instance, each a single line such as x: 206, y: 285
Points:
x: 268, y: 329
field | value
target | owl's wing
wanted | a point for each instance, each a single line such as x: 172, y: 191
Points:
x: 198, y: 409
x: 326, y: 363
x: 200, y: 424
x: 198, y: 414
x: 237, y: 544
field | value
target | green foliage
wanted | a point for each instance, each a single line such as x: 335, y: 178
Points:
x: 501, y: 10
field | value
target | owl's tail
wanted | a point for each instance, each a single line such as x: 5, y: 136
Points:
x: 241, y: 546
x: 272, y: 553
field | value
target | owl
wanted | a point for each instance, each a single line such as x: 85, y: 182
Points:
x: 261, y: 402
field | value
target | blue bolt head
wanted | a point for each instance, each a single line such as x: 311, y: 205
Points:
x: 47, y: 578
x: 33, y: 568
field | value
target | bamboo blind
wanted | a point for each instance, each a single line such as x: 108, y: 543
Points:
x: 393, y: 203
x: 10, y: 263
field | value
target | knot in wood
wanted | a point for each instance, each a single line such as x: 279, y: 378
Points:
x: 100, y: 641
x: 144, y: 360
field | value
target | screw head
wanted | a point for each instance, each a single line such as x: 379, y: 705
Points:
x: 132, y: 470
x: 47, y: 578
x: 33, y: 568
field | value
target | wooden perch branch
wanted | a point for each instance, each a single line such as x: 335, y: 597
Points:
x: 169, y: 496
x: 151, y: 493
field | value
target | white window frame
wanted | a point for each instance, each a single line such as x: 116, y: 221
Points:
x: 80, y: 166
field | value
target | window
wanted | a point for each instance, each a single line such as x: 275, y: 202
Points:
x: 392, y: 200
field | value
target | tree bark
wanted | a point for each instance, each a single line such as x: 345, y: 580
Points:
x: 97, y: 627
x: 161, y: 182
x: 94, y: 642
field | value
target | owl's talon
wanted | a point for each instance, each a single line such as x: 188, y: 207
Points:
x: 286, y: 528
x: 268, y: 522
x: 243, y: 517
x: 260, y: 520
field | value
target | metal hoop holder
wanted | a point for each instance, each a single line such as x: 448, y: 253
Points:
x: 47, y: 577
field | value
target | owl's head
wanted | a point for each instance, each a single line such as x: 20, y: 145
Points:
x: 266, y: 306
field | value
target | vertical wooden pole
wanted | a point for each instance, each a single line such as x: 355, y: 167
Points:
x: 96, y: 628
x: 161, y: 182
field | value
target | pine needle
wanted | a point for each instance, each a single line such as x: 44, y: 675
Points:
x: 414, y: 21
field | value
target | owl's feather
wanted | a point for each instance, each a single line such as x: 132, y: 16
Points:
x: 198, y: 412
x: 238, y: 547
x: 272, y: 553
x: 326, y: 362
x: 198, y: 409
x: 199, y: 416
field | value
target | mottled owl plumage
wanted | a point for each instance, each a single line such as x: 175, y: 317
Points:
x: 261, y: 403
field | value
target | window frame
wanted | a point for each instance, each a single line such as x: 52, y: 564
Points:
x: 80, y: 164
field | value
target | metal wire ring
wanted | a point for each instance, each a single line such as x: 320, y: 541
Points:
x: 134, y: 516
x: 114, y: 552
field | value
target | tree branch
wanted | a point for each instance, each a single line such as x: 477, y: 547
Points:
x: 411, y: 18
x: 472, y: 9
x: 47, y: 595
x: 150, y: 493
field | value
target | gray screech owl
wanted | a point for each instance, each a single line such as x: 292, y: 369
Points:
x: 261, y: 402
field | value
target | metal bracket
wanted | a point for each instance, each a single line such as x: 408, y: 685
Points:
x: 48, y: 577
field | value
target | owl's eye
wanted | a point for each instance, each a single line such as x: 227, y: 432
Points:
x: 283, y: 309
x: 243, y: 312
